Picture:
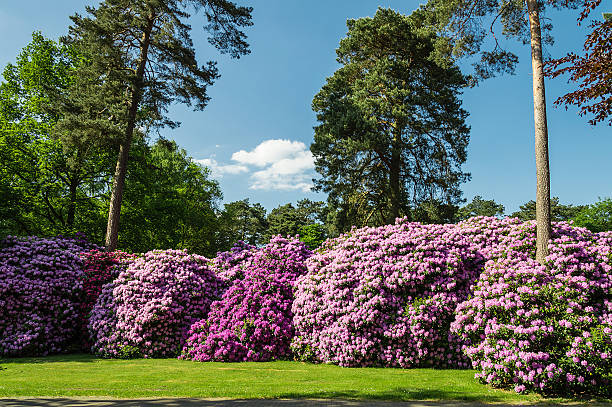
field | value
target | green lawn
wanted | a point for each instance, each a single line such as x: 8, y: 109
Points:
x: 88, y: 376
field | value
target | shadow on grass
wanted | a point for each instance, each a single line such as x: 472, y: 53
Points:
x: 185, y: 402
x: 399, y: 394
x: 73, y: 357
x: 48, y: 402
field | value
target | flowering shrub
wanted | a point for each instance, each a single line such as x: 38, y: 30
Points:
x: 230, y: 265
x: 40, y: 289
x: 147, y: 310
x: 253, y: 319
x: 99, y: 268
x: 544, y: 328
x: 385, y: 297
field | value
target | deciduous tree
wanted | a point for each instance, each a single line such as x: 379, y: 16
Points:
x: 558, y: 211
x: 592, y: 70
x: 480, y: 207
x: 239, y: 220
x: 46, y: 189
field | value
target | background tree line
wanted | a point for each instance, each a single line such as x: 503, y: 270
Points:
x: 80, y: 120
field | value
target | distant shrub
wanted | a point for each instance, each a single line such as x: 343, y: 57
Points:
x: 147, y: 310
x: 253, y: 319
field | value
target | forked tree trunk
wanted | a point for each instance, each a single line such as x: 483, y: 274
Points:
x: 541, y: 135
x: 114, y: 210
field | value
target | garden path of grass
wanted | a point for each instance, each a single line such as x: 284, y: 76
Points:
x: 85, y: 376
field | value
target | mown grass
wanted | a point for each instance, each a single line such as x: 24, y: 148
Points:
x: 88, y: 376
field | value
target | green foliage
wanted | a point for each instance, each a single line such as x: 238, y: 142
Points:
x: 136, y: 59
x: 239, y: 220
x: 46, y: 189
x: 465, y: 27
x: 596, y: 217
x: 434, y: 211
x: 313, y: 235
x: 140, y: 54
x: 287, y: 220
x: 480, y: 207
x: 558, y: 212
x: 169, y: 202
x: 391, y: 131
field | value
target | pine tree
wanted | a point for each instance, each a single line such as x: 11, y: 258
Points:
x: 465, y: 24
x: 391, y: 131
x: 137, y: 58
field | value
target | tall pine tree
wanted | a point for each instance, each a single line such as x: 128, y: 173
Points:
x: 391, y: 131
x: 465, y: 24
x: 137, y: 59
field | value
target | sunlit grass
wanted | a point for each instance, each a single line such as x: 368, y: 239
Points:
x: 87, y: 376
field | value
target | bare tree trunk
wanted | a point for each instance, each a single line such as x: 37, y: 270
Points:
x: 541, y: 135
x: 114, y: 210
x: 394, y: 179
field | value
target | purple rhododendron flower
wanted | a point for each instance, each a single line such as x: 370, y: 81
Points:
x: 544, y: 327
x: 147, y: 310
x: 253, y: 320
x: 40, y: 292
x: 385, y: 296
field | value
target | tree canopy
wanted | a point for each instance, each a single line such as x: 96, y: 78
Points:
x: 596, y: 217
x: 480, y: 207
x: 592, y: 70
x: 559, y: 212
x: 391, y: 130
x: 46, y: 189
x: 137, y: 59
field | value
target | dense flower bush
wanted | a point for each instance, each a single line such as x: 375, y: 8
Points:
x: 99, y: 268
x: 40, y: 290
x: 253, y: 319
x: 230, y: 265
x: 385, y: 297
x: 147, y: 310
x: 544, y: 328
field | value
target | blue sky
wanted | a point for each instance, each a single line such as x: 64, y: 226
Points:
x: 257, y: 129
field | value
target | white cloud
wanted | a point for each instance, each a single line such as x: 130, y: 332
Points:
x: 269, y: 152
x: 218, y: 170
x: 285, y: 165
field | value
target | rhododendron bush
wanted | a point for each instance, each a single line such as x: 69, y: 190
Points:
x: 431, y: 295
x: 253, y: 319
x: 40, y: 291
x: 385, y: 297
x: 147, y: 310
x: 544, y: 328
x: 99, y: 268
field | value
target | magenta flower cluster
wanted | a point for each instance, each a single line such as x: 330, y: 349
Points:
x: 253, y: 320
x: 40, y: 293
x: 147, y: 310
x: 99, y: 268
x: 541, y: 328
x: 386, y: 296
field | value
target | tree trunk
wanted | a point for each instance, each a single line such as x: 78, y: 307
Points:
x: 541, y: 135
x: 394, y: 179
x: 72, y: 196
x: 114, y: 210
